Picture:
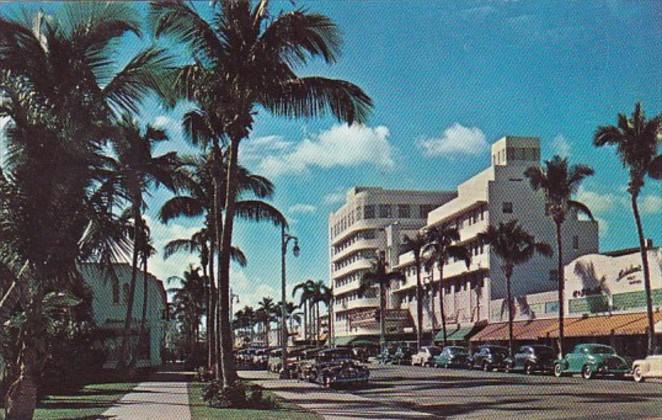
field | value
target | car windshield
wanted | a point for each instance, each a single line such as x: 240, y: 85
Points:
x: 456, y: 350
x: 543, y: 351
x: 434, y: 350
x: 601, y: 350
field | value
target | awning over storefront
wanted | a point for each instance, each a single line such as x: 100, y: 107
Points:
x: 605, y: 325
x: 460, y: 332
x: 356, y: 340
x: 522, y: 330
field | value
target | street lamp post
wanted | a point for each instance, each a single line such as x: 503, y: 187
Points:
x: 284, y: 240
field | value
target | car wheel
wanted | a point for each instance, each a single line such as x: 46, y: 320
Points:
x: 486, y: 367
x: 587, y: 372
x: 528, y: 369
x: 558, y: 370
x: 638, y: 376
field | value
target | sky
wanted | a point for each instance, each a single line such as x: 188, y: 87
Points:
x: 447, y: 79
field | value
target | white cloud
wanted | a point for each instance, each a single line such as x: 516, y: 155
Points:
x: 340, y: 146
x: 455, y: 140
x: 302, y: 208
x: 561, y: 146
x: 177, y: 263
x: 651, y: 204
x: 603, y: 227
x: 597, y: 202
x: 169, y: 124
x: 335, y: 197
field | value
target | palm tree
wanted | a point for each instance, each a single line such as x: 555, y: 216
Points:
x: 243, y: 60
x: 327, y: 298
x: 319, y: 294
x: 196, y: 200
x: 305, y: 298
x: 189, y: 302
x: 441, y: 248
x: 145, y: 253
x: 267, y: 314
x: 378, y: 276
x: 559, y: 182
x: 60, y: 91
x: 514, y: 246
x: 637, y: 140
x: 416, y: 245
x: 137, y: 171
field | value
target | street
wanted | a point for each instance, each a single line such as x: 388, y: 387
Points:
x: 456, y: 392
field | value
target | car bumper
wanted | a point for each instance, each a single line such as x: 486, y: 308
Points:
x: 605, y: 370
x: 346, y: 380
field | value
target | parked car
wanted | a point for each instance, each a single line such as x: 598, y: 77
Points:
x: 452, y: 356
x: 532, y: 358
x: 489, y: 357
x: 332, y: 367
x: 260, y: 358
x: 425, y: 355
x: 302, y: 366
x: 386, y: 356
x: 274, y: 362
x: 402, y: 355
x: 591, y: 360
x: 650, y: 367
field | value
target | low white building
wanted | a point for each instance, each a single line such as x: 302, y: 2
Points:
x: 604, y: 300
x: 357, y: 233
x: 500, y: 193
x: 110, y: 297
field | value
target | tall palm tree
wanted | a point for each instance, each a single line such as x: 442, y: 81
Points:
x: 60, y: 89
x: 145, y: 253
x: 560, y: 181
x: 196, y: 199
x: 416, y: 245
x: 137, y: 170
x: 379, y: 277
x: 245, y: 59
x: 514, y: 246
x: 305, y: 298
x: 189, y: 302
x: 637, y: 140
x: 319, y: 294
x: 326, y: 297
x: 441, y: 247
x: 268, y: 310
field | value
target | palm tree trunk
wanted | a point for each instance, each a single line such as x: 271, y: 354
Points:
x: 559, y: 268
x: 143, y: 320
x: 213, y: 308
x: 10, y: 301
x: 419, y: 306
x: 137, y: 232
x: 266, y: 333
x: 441, y: 303
x: 319, y: 323
x: 209, y: 319
x: 22, y: 394
x: 382, y: 321
x: 509, y: 295
x: 227, y: 359
x: 331, y: 321
x: 647, y: 280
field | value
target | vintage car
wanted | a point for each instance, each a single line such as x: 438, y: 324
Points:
x: 299, y: 368
x: 425, y: 355
x: 386, y: 355
x: 452, y: 356
x: 260, y: 358
x: 332, y: 367
x: 650, y: 367
x: 489, y: 357
x: 530, y: 359
x: 591, y: 360
x: 402, y: 355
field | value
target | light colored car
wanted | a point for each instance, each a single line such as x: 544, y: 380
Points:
x: 425, y: 355
x: 650, y: 367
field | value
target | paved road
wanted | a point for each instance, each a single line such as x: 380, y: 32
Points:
x: 477, y: 394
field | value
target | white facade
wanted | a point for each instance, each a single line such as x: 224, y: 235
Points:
x: 594, y: 284
x: 498, y: 194
x: 357, y: 232
x: 109, y: 309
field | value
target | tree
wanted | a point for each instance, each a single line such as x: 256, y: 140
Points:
x: 136, y: 171
x: 60, y: 89
x: 326, y: 297
x: 266, y: 313
x: 441, y: 249
x: 189, y: 303
x: 559, y: 182
x: 415, y: 245
x: 242, y: 61
x: 514, y: 246
x: 637, y: 140
x: 305, y: 299
x: 196, y: 199
x: 379, y: 277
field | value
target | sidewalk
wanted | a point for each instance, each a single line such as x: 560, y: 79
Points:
x: 328, y: 403
x: 164, y: 397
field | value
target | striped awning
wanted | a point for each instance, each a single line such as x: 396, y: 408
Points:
x: 603, y: 325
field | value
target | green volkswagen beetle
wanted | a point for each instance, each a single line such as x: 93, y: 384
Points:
x: 591, y: 360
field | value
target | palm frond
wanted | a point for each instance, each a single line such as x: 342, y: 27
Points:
x: 259, y: 211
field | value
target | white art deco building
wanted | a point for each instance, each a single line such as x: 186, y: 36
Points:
x: 498, y: 194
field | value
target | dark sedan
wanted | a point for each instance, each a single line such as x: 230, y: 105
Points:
x: 489, y: 357
x: 530, y: 359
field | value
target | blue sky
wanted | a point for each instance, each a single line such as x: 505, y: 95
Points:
x: 447, y: 78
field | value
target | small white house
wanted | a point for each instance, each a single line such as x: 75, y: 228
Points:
x: 110, y: 297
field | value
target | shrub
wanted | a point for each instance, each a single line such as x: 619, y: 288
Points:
x: 238, y: 396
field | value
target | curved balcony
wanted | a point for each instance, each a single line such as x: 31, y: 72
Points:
x: 357, y: 246
x: 356, y: 304
x: 355, y: 266
x: 346, y: 287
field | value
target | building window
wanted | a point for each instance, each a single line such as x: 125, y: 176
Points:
x: 384, y: 211
x: 404, y: 211
x: 116, y: 293
x: 575, y: 242
x: 507, y: 207
x: 369, y: 212
x: 126, y: 293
